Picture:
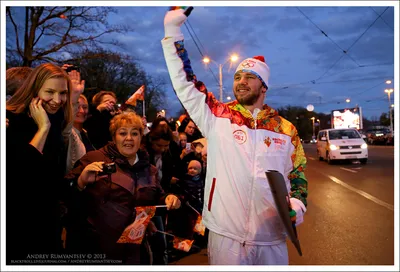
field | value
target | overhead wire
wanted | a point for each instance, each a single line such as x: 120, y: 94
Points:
x: 187, y: 21
x: 364, y: 91
x: 344, y: 51
x: 291, y: 85
x: 367, y: 29
x: 198, y: 48
x: 382, y: 18
x: 326, y: 35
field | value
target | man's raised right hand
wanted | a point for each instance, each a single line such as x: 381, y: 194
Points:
x: 174, y: 19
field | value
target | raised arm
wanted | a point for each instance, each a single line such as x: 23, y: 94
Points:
x: 200, y: 104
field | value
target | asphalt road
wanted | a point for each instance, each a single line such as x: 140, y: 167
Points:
x: 350, y: 217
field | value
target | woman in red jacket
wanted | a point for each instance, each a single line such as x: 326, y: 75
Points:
x: 106, y: 186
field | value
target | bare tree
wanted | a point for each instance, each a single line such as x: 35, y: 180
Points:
x: 51, y: 33
x: 120, y: 73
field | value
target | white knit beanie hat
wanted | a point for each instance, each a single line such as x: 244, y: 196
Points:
x: 256, y: 66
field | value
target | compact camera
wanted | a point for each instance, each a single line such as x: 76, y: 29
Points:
x: 109, y: 168
x: 72, y: 68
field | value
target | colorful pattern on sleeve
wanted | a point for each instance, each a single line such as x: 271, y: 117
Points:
x: 183, y: 55
x: 298, y: 181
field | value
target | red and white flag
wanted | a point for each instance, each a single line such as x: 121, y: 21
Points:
x: 138, y: 95
x: 135, y: 232
x: 182, y: 244
x: 199, y: 227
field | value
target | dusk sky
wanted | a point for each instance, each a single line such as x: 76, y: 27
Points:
x: 306, y: 66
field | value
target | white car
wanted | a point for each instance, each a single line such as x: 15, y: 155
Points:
x: 341, y: 144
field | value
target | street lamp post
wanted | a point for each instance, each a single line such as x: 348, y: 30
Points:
x: 389, y: 91
x: 313, y: 127
x: 220, y: 83
x: 207, y: 60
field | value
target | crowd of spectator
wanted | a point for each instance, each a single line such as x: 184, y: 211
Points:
x: 59, y: 191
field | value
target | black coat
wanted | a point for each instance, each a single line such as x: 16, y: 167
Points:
x: 170, y: 162
x: 98, y: 215
x: 33, y: 182
x: 98, y: 128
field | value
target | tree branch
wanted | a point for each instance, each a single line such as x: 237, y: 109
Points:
x: 40, y: 35
x: 56, y: 15
x: 59, y: 46
x: 16, y: 31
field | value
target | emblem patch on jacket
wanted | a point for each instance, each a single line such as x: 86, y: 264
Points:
x: 279, y: 143
x: 240, y: 136
x: 267, y: 141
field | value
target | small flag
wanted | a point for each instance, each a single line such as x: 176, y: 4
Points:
x: 182, y: 244
x: 138, y: 95
x: 135, y: 232
x: 199, y: 227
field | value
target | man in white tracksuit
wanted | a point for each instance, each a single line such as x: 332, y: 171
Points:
x: 245, y: 139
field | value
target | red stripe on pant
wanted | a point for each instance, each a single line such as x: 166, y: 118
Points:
x: 211, y: 194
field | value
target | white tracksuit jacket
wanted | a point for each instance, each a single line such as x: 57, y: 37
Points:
x: 237, y: 200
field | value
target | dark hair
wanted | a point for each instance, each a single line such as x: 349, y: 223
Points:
x: 184, y: 124
x: 96, y: 100
x: 15, y: 77
x: 161, y: 132
x: 157, y: 122
x: 160, y: 119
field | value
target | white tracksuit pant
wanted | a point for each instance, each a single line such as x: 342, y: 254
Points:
x: 226, y: 251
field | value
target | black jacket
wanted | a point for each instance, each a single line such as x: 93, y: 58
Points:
x: 98, y: 215
x: 33, y: 182
x: 98, y: 128
x: 170, y: 162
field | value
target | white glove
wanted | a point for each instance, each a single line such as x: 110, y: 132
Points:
x: 172, y: 23
x: 299, y: 208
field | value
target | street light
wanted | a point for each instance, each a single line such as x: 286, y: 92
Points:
x: 348, y: 100
x: 229, y: 98
x: 313, y: 127
x: 232, y: 59
x: 389, y: 91
x: 388, y: 81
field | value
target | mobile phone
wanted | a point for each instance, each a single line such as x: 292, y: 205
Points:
x: 188, y: 146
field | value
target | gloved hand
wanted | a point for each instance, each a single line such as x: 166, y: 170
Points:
x: 299, y: 208
x: 173, y: 20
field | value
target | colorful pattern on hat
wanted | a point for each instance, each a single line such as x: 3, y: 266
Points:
x: 256, y: 66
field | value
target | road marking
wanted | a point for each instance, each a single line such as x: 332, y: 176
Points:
x: 311, y: 158
x: 362, y: 193
x: 348, y: 170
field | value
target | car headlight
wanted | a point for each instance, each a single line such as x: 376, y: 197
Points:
x: 364, y: 146
x: 333, y: 147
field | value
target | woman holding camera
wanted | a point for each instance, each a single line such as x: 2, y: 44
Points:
x: 106, y: 186
x: 38, y: 112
